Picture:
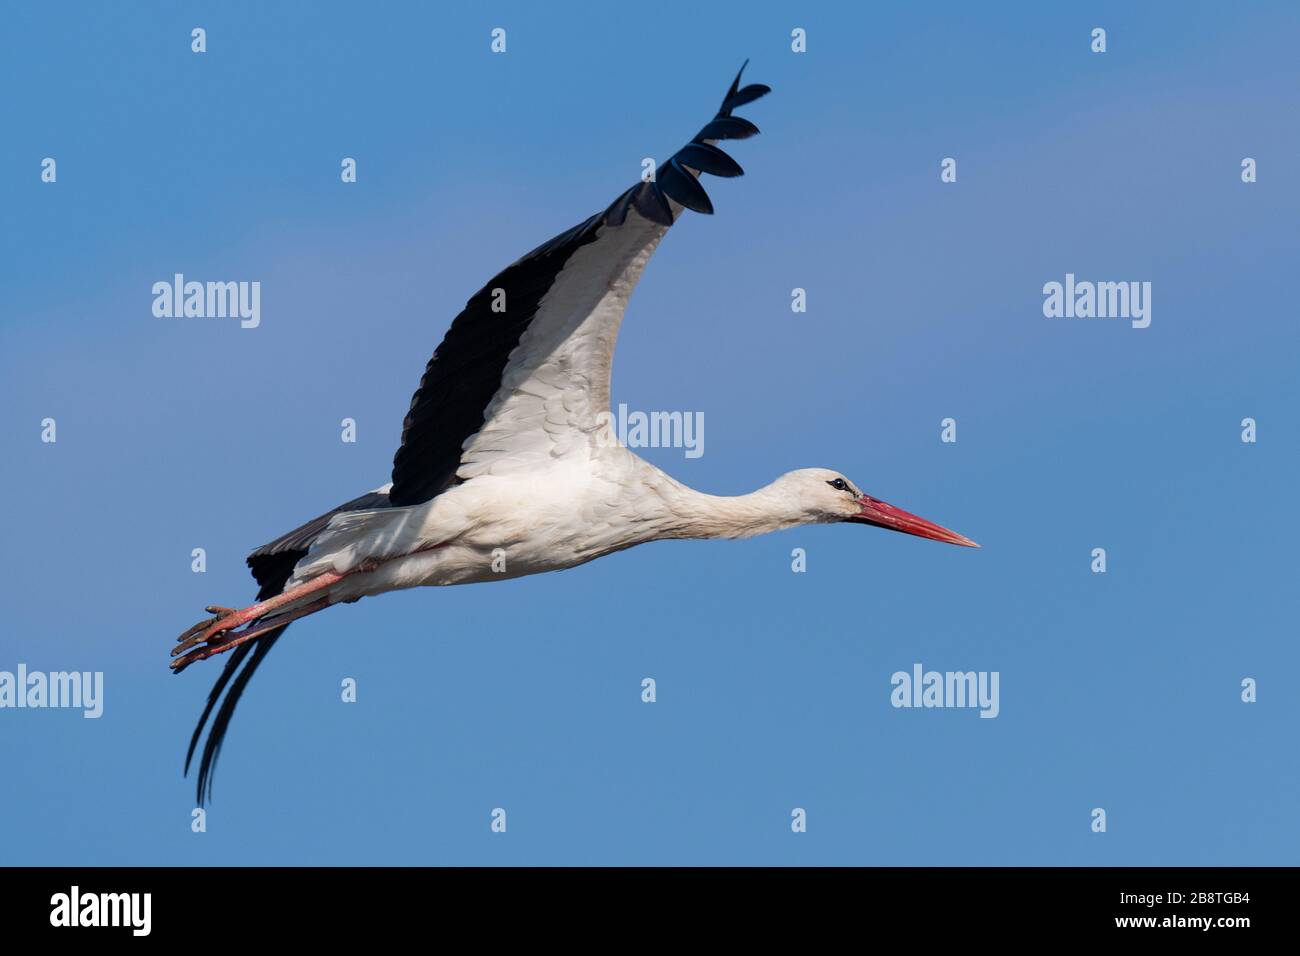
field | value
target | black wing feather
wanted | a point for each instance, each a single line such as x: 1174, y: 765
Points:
x: 707, y: 159
x: 684, y: 188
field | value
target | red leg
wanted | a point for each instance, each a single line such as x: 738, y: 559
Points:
x: 211, y: 630
x: 255, y: 629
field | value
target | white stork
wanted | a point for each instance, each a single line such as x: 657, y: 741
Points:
x: 505, y: 450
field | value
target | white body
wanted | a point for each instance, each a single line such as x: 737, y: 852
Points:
x: 565, y: 514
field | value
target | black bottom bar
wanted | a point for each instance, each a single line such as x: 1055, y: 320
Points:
x: 238, y: 905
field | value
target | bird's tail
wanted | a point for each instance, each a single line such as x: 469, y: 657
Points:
x: 231, y: 682
x: 272, y: 565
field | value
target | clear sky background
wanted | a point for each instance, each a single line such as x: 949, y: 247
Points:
x: 1118, y: 690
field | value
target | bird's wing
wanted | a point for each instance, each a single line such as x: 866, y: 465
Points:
x: 523, y: 373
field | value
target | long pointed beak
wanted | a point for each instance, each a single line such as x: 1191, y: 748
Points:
x: 883, y: 515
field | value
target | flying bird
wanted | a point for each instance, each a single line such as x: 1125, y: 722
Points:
x: 508, y: 462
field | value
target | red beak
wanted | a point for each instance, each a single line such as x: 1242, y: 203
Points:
x: 882, y: 515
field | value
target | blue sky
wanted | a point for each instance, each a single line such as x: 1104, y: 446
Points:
x: 1118, y: 690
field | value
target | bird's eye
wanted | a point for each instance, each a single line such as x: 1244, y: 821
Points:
x: 838, y: 484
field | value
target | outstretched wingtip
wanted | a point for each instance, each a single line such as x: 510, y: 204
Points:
x: 678, y: 178
x: 735, y: 84
x: 736, y: 96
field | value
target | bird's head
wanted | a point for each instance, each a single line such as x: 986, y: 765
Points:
x: 825, y: 496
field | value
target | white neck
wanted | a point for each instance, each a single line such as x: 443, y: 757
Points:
x: 693, y: 514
